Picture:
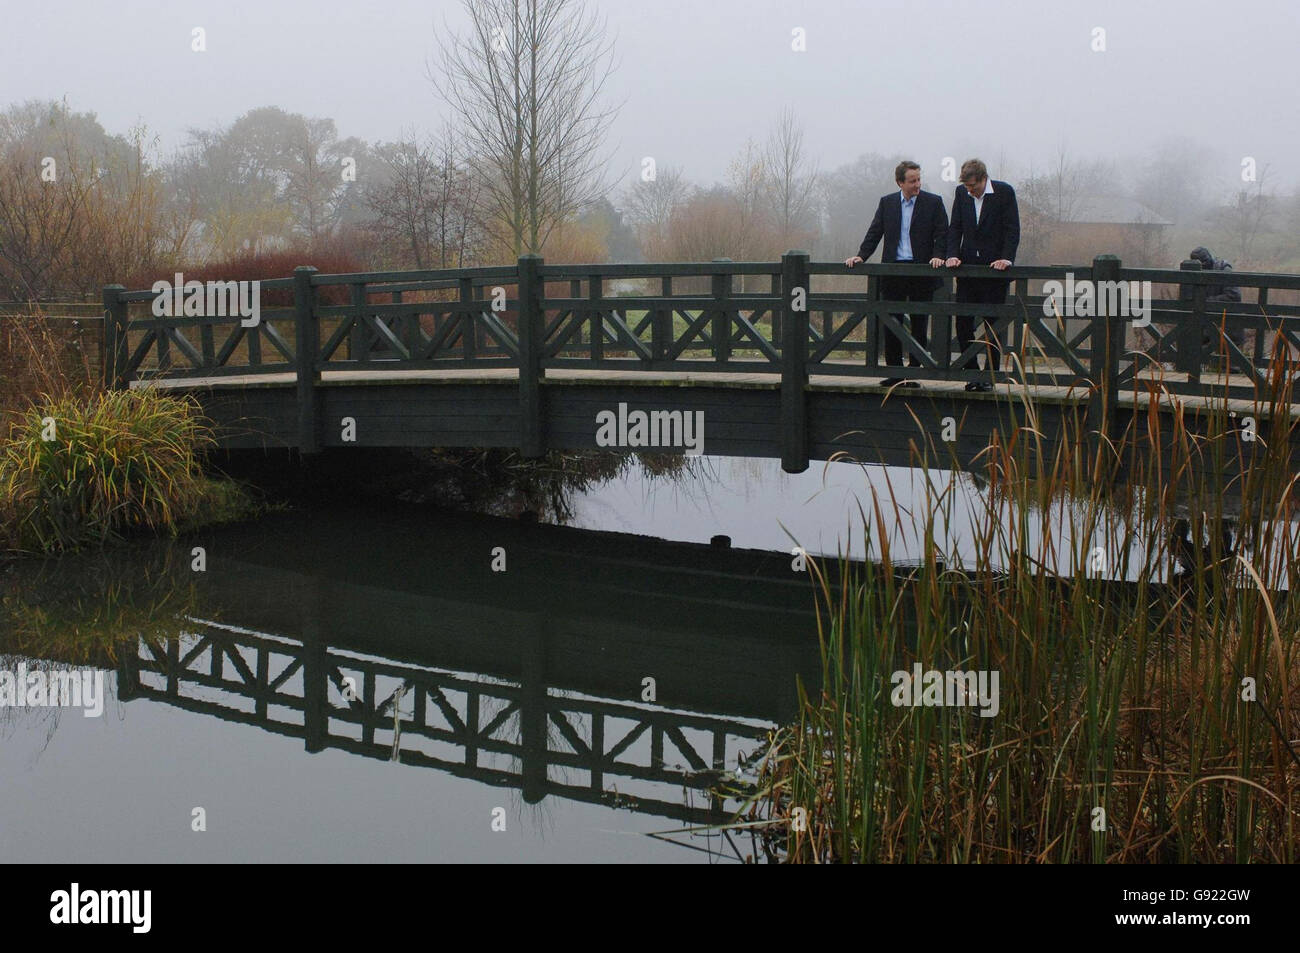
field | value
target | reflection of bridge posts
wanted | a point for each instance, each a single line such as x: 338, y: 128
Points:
x: 264, y: 697
x: 128, y: 673
x: 315, y: 673
x: 533, y: 699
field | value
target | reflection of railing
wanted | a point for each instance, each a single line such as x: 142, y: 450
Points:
x: 506, y: 734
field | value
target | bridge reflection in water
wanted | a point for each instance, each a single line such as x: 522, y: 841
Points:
x: 532, y: 679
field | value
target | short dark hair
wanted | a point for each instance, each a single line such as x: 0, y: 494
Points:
x: 901, y: 170
x: 973, y: 170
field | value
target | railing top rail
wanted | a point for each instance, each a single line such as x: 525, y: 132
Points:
x: 495, y: 272
x: 921, y: 269
x: 683, y: 269
x: 268, y: 284
x: 441, y: 279
x: 1243, y: 279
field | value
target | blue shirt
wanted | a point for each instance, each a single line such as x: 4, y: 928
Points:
x: 905, y: 230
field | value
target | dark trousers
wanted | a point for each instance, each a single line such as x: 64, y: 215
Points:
x: 980, y: 291
x: 894, y: 288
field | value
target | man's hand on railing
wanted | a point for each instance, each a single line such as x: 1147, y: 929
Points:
x: 953, y: 262
x: 1002, y: 264
x: 855, y: 260
x: 936, y: 262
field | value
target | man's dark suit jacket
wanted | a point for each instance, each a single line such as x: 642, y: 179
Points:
x: 996, y: 236
x: 929, y: 231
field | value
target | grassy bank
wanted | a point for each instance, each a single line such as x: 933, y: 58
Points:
x: 1146, y: 659
x: 81, y: 467
x: 82, y: 471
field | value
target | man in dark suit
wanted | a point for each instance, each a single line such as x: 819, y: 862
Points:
x: 914, y: 226
x: 985, y: 231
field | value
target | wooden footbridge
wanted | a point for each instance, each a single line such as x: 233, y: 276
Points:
x: 781, y: 358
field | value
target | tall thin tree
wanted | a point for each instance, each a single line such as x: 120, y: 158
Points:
x: 525, y: 88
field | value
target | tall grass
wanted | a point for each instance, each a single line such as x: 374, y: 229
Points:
x: 42, y: 355
x: 77, y: 472
x: 1148, y: 696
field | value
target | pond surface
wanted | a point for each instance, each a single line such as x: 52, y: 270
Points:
x: 358, y: 684
x: 393, y: 682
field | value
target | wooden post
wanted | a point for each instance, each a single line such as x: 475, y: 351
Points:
x: 941, y: 326
x: 794, y: 361
x: 871, y: 324
x: 316, y: 666
x: 1107, y: 348
x: 315, y: 684
x: 128, y: 670
x: 114, y: 350
x: 721, y: 324
x: 469, y: 320
x: 1192, y: 329
x: 661, y: 332
x: 307, y: 347
x: 776, y: 312
x: 595, y: 289
x: 534, y: 749
x: 359, y: 340
x: 530, y: 356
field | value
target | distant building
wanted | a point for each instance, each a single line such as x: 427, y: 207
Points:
x: 1109, y: 224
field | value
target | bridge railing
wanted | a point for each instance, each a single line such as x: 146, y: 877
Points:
x: 1189, y: 336
x: 787, y: 319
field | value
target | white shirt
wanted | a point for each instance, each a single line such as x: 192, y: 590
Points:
x: 979, y: 202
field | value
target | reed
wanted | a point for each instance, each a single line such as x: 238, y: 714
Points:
x: 82, y: 471
x: 1144, y: 643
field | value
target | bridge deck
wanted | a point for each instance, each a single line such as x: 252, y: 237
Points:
x: 730, y: 379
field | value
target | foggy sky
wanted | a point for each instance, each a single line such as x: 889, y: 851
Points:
x: 1012, y: 81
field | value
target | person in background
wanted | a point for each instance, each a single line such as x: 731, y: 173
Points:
x: 914, y: 225
x: 1217, y: 293
x: 985, y: 230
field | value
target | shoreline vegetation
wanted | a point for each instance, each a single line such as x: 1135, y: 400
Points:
x: 1147, y: 653
x: 81, y: 466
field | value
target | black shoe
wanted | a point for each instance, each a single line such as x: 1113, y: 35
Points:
x: 979, y: 386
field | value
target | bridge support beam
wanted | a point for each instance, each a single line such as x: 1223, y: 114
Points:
x: 1192, y: 330
x: 794, y: 361
x: 1108, y: 334
x: 531, y: 334
x: 114, y: 349
x: 307, y: 347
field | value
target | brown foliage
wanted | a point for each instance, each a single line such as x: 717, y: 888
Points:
x: 328, y: 258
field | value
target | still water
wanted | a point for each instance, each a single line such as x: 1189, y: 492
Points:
x: 393, y: 682
x: 357, y: 683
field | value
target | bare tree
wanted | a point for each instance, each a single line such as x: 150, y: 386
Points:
x: 1058, y: 196
x: 649, y: 206
x: 791, y: 182
x: 1062, y: 192
x: 312, y: 172
x: 423, y: 203
x: 525, y: 87
x: 1243, y: 218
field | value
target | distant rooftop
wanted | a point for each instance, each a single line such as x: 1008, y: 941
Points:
x: 1114, y: 210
